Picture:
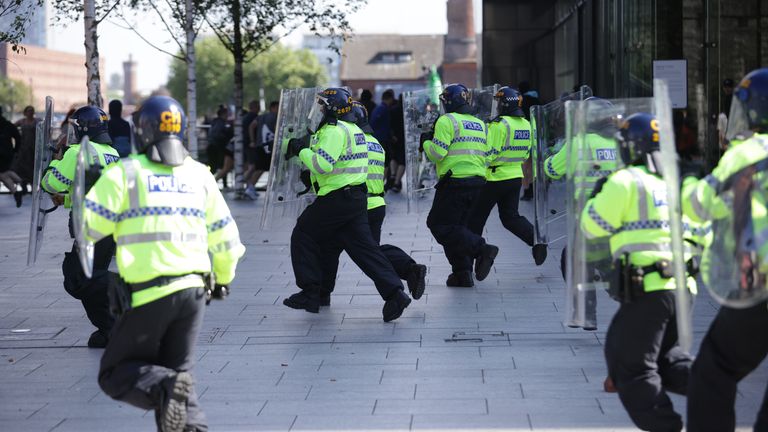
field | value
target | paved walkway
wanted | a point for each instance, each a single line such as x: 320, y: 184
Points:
x: 495, y: 357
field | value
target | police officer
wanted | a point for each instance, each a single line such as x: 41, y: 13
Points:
x: 737, y: 340
x: 407, y: 269
x: 59, y: 180
x: 458, y: 147
x: 337, y: 159
x: 601, y: 141
x: 641, y: 350
x: 166, y: 214
x: 509, y: 141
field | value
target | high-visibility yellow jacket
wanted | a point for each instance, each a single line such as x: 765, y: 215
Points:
x: 60, y: 175
x: 459, y: 145
x: 509, y: 142
x: 165, y: 221
x: 337, y: 157
x: 632, y: 209
x: 375, y: 182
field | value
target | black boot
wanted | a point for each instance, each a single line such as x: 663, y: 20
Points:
x: 416, y: 282
x: 98, y: 339
x: 17, y: 196
x: 460, y: 279
x: 173, y: 411
x: 395, y: 306
x: 484, y: 261
x: 302, y: 300
x: 539, y: 253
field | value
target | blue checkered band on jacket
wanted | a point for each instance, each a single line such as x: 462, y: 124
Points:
x: 599, y: 173
x: 662, y: 224
x: 219, y: 224
x: 353, y: 156
x: 323, y: 154
x: 602, y: 223
x: 440, y: 144
x: 61, y: 177
x: 375, y: 162
x: 161, y: 211
x: 551, y: 170
x: 460, y: 139
x: 514, y: 148
x: 101, y: 210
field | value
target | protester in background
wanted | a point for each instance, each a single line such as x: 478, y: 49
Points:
x: 397, y: 157
x: 10, y: 139
x: 24, y: 164
x: 119, y: 129
x: 249, y: 147
x: 530, y: 98
x: 218, y: 138
x: 366, y: 98
x: 382, y: 129
x: 722, y: 118
x: 262, y: 132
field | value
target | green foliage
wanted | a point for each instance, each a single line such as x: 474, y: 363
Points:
x: 277, y: 68
x: 13, y: 95
x: 21, y: 11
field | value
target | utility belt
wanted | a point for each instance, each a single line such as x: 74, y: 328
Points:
x: 466, y: 181
x: 120, y: 292
x: 373, y: 195
x: 626, y: 284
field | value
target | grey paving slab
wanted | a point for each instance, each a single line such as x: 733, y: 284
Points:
x: 493, y: 357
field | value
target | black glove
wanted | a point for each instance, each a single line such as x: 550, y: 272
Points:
x: 295, y: 146
x: 425, y: 136
x: 690, y: 169
x: 598, y: 187
x: 219, y: 292
x: 306, y: 180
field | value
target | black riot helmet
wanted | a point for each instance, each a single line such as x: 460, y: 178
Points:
x: 638, y: 140
x: 360, y: 115
x: 749, y: 109
x: 510, y: 102
x: 91, y: 121
x: 159, y: 127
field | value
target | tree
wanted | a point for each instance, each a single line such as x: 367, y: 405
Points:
x: 94, y: 12
x: 13, y: 93
x: 247, y: 28
x: 277, y: 68
x: 182, y: 21
x: 14, y: 29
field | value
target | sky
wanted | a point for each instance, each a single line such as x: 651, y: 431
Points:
x: 116, y: 43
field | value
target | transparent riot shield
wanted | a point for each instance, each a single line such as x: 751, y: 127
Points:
x: 548, y: 125
x: 670, y: 173
x: 87, y: 162
x: 592, y: 153
x: 41, y: 201
x: 735, y: 265
x: 287, y: 195
x: 420, y: 113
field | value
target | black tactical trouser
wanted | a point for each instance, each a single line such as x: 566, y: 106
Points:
x: 645, y: 361
x: 150, y: 343
x: 449, y: 218
x: 590, y: 297
x: 400, y: 260
x: 735, y: 345
x: 339, y: 218
x: 91, y: 292
x: 505, y: 194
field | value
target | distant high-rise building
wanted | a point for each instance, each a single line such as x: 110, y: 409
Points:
x: 36, y: 31
x: 330, y: 59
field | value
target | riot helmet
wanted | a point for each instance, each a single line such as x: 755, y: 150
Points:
x: 638, y: 140
x: 91, y: 121
x: 749, y: 109
x: 159, y: 126
x: 601, y: 118
x: 510, y: 102
x: 332, y: 103
x: 360, y: 115
x: 455, y: 98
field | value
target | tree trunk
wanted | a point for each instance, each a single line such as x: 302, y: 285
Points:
x: 239, y: 59
x: 189, y: 27
x: 92, y: 54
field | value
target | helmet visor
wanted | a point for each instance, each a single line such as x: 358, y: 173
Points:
x: 738, y: 120
x: 316, y: 114
x: 72, y: 132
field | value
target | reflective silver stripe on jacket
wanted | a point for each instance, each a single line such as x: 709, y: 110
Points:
x: 161, y: 236
x: 509, y: 134
x: 95, y: 235
x: 131, y: 172
x: 432, y: 152
x: 375, y: 176
x: 453, y: 152
x: 698, y: 208
x: 350, y: 137
x: 352, y: 170
x: 650, y: 247
x: 225, y: 246
x: 508, y: 159
x: 642, y: 194
x: 456, y: 129
x: 316, y: 165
